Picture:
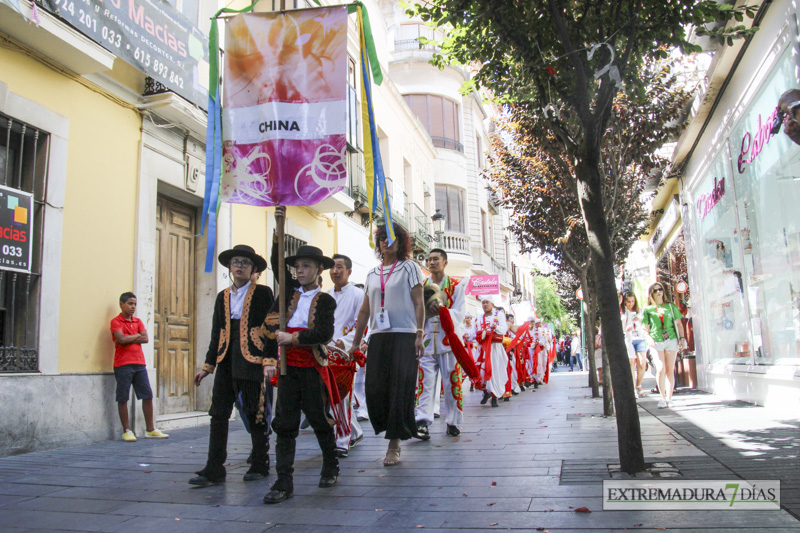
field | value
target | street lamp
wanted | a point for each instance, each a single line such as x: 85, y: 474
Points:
x: 438, y: 226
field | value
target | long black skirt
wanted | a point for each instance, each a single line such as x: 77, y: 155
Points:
x: 391, y: 384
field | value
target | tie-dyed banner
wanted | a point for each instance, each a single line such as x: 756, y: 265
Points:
x: 284, y: 112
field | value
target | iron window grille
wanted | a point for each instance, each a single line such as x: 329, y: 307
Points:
x: 24, y: 153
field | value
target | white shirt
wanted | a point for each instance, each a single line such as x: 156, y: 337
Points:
x: 237, y: 300
x: 348, y: 304
x: 576, y: 345
x: 300, y: 316
x: 434, y: 334
x: 397, y: 303
x: 630, y: 318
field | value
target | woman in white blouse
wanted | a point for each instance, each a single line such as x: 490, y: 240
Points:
x: 395, y: 310
x: 634, y: 338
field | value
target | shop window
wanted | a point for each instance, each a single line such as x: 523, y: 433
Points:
x: 766, y: 178
x: 723, y: 314
x: 23, y: 166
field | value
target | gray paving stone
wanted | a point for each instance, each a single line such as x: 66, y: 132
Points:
x: 443, y: 484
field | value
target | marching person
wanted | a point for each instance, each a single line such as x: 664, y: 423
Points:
x: 439, y: 359
x: 490, y: 328
x: 395, y: 310
x: 348, y: 303
x: 308, y: 384
x: 469, y: 340
x: 236, y: 353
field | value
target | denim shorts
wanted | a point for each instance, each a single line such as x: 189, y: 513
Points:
x: 669, y: 345
x: 135, y: 375
x: 639, y: 345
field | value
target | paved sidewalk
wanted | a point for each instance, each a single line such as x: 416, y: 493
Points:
x: 526, y: 465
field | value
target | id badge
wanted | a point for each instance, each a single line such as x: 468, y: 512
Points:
x: 382, y: 320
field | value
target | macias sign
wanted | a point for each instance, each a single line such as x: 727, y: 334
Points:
x: 16, y: 229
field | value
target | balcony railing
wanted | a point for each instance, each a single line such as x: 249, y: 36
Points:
x: 455, y: 243
x: 419, y: 228
x: 449, y: 144
x: 414, y: 44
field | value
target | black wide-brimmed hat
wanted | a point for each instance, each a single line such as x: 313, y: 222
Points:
x: 310, y: 252
x: 242, y: 250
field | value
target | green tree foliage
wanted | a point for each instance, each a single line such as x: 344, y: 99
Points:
x: 568, y: 60
x: 549, y: 306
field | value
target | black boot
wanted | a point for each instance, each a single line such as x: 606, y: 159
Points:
x: 486, y: 397
x: 494, y: 402
x: 214, y: 471
x: 259, y: 468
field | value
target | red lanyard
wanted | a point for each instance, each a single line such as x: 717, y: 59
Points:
x: 661, y: 316
x: 384, y: 282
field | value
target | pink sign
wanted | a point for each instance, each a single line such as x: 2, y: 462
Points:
x: 480, y: 285
x: 706, y: 202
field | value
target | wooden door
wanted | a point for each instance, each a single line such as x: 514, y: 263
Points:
x: 174, y: 306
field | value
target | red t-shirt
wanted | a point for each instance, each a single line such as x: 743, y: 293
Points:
x: 127, y: 354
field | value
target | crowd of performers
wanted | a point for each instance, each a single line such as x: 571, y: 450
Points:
x: 512, y: 357
x: 421, y: 343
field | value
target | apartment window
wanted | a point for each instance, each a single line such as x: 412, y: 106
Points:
x: 408, y: 37
x: 353, y: 107
x: 479, y: 152
x: 440, y: 118
x: 450, y: 201
x: 484, y: 230
x: 23, y: 166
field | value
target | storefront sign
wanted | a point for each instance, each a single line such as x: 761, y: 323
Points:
x: 149, y: 34
x: 707, y: 201
x: 16, y: 229
x: 665, y: 225
x: 480, y: 285
x: 753, y: 144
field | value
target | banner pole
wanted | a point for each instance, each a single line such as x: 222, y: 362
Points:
x: 280, y: 221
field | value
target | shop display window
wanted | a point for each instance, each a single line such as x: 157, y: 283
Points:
x: 766, y: 177
x: 723, y: 317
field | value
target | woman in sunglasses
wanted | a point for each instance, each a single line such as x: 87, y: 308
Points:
x: 662, y: 320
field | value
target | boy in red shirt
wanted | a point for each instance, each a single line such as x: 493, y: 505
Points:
x: 129, y: 334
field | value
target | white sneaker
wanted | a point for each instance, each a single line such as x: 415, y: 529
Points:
x: 662, y: 403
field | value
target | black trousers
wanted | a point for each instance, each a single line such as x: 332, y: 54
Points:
x: 302, y: 389
x: 223, y: 399
x: 391, y: 384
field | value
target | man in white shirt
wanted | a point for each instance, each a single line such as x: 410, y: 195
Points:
x: 348, y: 303
x: 439, y: 356
x: 577, y: 351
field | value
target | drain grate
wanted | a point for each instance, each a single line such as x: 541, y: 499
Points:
x: 584, y: 472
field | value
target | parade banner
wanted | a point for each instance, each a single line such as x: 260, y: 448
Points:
x: 480, y: 285
x: 151, y: 35
x: 284, y: 107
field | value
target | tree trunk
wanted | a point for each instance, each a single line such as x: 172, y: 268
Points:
x: 586, y: 304
x: 590, y: 194
x: 608, y: 384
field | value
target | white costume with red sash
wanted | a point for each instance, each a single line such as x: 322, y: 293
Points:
x: 494, y: 362
x: 439, y: 358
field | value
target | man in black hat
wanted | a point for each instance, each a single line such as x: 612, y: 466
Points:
x: 308, y: 384
x: 236, y: 352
